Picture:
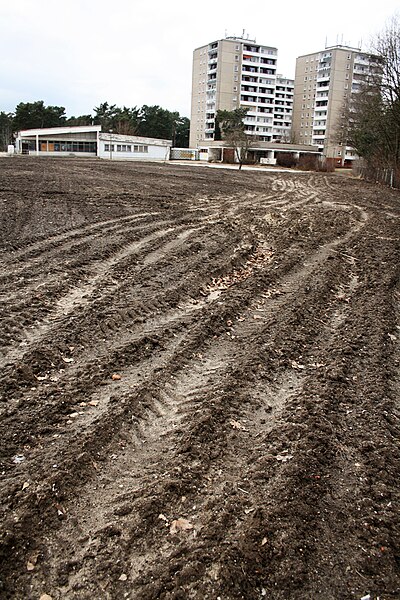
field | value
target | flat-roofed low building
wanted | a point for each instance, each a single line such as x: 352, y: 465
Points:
x: 131, y: 147
x: 59, y: 141
x: 258, y: 152
x: 90, y: 141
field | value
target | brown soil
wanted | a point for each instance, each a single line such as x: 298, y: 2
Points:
x: 200, y: 383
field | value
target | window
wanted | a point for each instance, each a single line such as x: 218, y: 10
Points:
x: 140, y: 149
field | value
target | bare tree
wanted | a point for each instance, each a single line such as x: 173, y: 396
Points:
x: 234, y: 132
x: 371, y: 117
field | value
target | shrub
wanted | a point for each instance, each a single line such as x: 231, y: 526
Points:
x: 286, y: 159
x: 309, y: 162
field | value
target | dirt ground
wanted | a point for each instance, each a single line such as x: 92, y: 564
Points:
x: 200, y: 383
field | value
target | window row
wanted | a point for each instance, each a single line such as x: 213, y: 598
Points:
x: 60, y: 146
x: 125, y: 148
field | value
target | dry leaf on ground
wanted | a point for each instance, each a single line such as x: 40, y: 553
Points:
x: 180, y: 524
x: 237, y: 425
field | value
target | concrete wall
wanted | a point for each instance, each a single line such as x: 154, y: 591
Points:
x: 229, y: 59
x: 199, y: 86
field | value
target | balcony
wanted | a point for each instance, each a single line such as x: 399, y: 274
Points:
x: 361, y: 60
x: 266, y: 93
x: 247, y: 69
x: 246, y: 98
x: 268, y: 71
x: 250, y: 59
x: 247, y: 79
x: 251, y: 49
x: 265, y: 110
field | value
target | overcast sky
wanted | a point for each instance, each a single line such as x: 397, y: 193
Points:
x: 79, y: 53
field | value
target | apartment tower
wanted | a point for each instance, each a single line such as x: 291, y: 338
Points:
x: 324, y: 83
x: 235, y: 72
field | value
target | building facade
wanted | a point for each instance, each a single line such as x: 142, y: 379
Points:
x: 324, y: 84
x: 283, y: 109
x: 239, y: 73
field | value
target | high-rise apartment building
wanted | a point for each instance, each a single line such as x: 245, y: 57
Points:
x: 235, y: 72
x: 324, y: 83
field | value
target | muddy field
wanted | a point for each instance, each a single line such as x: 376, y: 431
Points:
x: 200, y: 383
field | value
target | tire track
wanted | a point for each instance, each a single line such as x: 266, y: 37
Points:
x: 184, y: 394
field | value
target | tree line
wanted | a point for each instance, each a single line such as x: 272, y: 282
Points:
x: 147, y: 121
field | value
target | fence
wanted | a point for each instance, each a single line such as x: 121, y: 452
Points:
x: 386, y: 176
x: 184, y: 154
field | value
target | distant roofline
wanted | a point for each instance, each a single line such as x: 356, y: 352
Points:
x: 61, y: 130
x: 280, y: 76
x: 140, y: 139
x: 344, y: 46
x: 234, y: 38
x: 240, y: 38
x: 336, y: 47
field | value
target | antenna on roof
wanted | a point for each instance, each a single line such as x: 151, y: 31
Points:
x: 243, y: 32
x: 326, y: 41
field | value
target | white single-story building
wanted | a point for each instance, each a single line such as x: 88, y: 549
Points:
x: 90, y: 141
